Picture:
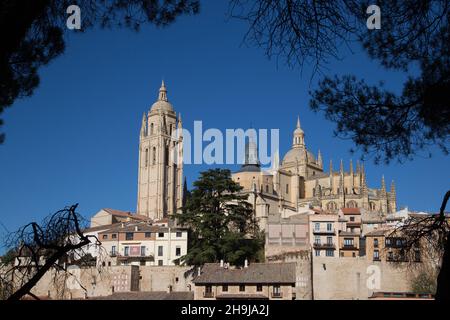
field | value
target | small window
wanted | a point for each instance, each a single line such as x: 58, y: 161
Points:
x: 105, y: 236
x: 329, y: 227
x: 161, y: 235
x: 352, y: 219
x: 375, y: 243
x: 317, y: 226
x: 376, y: 255
x: 114, y: 236
x: 225, y: 288
x: 317, y: 252
x: 160, y: 250
x: 179, y: 234
x: 160, y: 262
x: 267, y: 188
x: 259, y: 287
x: 148, y: 234
x: 126, y: 251
x: 242, y: 288
x: 178, y: 251
x: 287, y: 188
x: 142, y: 251
x: 129, y: 236
x: 330, y: 253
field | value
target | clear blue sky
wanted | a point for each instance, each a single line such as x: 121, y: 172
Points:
x: 76, y: 138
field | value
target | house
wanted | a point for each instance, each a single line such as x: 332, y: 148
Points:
x: 108, y: 216
x: 255, y: 281
x: 324, y: 228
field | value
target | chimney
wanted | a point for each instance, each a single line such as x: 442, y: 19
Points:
x: 246, y: 263
x: 221, y: 263
x: 199, y: 271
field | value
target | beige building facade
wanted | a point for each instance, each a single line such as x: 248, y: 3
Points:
x: 160, y: 174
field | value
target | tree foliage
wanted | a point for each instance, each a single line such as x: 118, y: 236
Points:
x: 222, y: 223
x: 413, y: 39
x: 32, y: 33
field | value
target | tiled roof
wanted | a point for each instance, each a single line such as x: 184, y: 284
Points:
x: 351, y: 211
x: 120, y: 213
x: 100, y: 228
x: 254, y: 273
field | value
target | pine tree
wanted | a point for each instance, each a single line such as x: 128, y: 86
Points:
x: 222, y: 224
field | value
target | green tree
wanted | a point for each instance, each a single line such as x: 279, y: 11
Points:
x: 221, y: 222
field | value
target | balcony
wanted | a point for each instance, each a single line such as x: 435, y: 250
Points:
x: 208, y: 295
x: 276, y: 295
x: 324, y: 246
x: 324, y: 231
x: 376, y: 259
x: 113, y: 254
x: 349, y: 247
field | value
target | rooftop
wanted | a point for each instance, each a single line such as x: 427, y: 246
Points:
x: 255, y: 273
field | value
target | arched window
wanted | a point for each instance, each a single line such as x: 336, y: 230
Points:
x: 352, y: 204
x: 372, y: 206
x: 154, y: 156
x: 146, y: 157
x: 267, y: 188
x: 331, y: 205
x: 287, y: 188
x: 152, y: 127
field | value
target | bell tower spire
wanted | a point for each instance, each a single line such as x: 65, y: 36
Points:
x: 299, y: 136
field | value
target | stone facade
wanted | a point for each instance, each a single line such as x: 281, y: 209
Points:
x: 160, y: 176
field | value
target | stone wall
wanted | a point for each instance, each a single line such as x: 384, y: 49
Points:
x: 357, y: 278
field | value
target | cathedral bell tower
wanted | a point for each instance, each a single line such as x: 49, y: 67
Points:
x: 160, y: 176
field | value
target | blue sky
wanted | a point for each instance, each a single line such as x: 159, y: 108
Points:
x: 76, y: 139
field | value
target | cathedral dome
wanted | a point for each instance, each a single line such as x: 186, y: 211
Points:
x: 294, y: 155
x: 162, y: 104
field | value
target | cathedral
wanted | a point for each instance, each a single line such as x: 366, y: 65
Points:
x: 299, y: 182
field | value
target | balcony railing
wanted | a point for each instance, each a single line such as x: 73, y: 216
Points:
x: 208, y: 294
x: 113, y: 254
x: 324, y: 231
x: 349, y: 247
x: 324, y: 246
x: 277, y: 295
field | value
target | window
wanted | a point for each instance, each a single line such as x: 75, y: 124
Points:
x: 388, y: 242
x: 348, y: 242
x: 160, y: 262
x: 161, y: 235
x: 267, y: 188
x: 376, y: 255
x: 178, y: 251
x: 160, y: 251
x: 287, y: 188
x: 126, y: 251
x: 329, y: 227
x: 242, y: 288
x: 105, y: 236
x: 317, y: 226
x: 152, y: 127
x: 276, y: 291
x: 317, y: 240
x: 142, y: 250
x: 225, y: 288
x: 179, y: 234
x: 329, y: 240
x: 154, y: 156
x: 146, y: 158
x: 375, y: 243
x: 259, y: 287
x: 114, y: 236
x: 352, y: 219
x: 329, y: 253
x: 113, y: 250
x: 317, y: 252
x: 390, y: 256
x: 208, y: 289
x: 129, y: 236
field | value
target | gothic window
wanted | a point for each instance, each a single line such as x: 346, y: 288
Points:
x: 352, y: 204
x: 331, y: 205
x: 287, y: 188
x: 154, y: 156
x: 146, y: 157
x: 152, y: 127
x: 373, y: 206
